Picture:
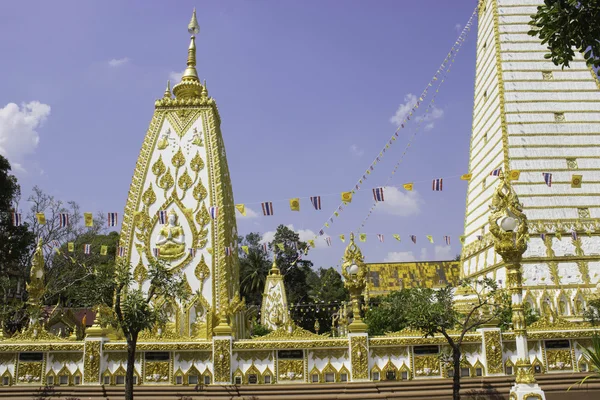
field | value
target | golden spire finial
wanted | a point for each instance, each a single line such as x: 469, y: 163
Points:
x: 167, y: 94
x: 274, y: 267
x: 190, y: 84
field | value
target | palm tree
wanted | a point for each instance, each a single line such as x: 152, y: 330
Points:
x: 254, y: 269
x: 593, y: 357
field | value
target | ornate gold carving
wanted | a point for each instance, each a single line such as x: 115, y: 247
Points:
x: 201, y: 271
x: 91, y: 361
x: 493, y: 351
x: 427, y: 365
x: 572, y: 163
x: 63, y: 357
x: 178, y: 160
x: 29, y: 372
x: 140, y: 274
x: 387, y: 352
x: 196, y: 164
x: 166, y: 181
x: 254, y: 356
x: 253, y: 344
x: 559, y: 360
x: 296, y: 333
x: 149, y: 197
x: 7, y: 358
x: 185, y: 181
x: 290, y: 370
x: 524, y: 372
x: 359, y: 357
x: 171, y: 239
x: 222, y: 360
x: 328, y: 354
x: 156, y: 371
x: 118, y: 358
x: 159, y: 168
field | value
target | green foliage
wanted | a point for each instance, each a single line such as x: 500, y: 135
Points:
x: 329, y: 287
x: 592, y: 312
x: 254, y: 268
x: 593, y: 357
x: 389, y: 315
x: 16, y: 247
x: 565, y: 25
x: 434, y: 312
x: 505, y: 312
x: 260, y: 330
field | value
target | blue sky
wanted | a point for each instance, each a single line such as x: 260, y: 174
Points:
x: 306, y: 92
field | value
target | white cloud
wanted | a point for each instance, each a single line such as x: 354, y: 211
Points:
x: 356, y: 151
x: 433, y: 114
x: 250, y: 213
x: 117, y: 62
x: 18, y: 130
x: 175, y: 77
x: 304, y: 235
x: 399, y: 256
x: 404, y: 109
x: 458, y: 27
x: 423, y: 253
x: 399, y: 203
x: 443, y: 253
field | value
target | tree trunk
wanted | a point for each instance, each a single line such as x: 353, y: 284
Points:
x: 456, y: 378
x: 131, y: 345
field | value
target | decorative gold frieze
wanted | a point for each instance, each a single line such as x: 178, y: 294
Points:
x: 222, y: 360
x: 91, y: 361
x: 493, y: 351
x: 29, y: 372
x: 559, y: 360
x: 290, y: 370
x: 359, y: 357
x: 156, y: 371
x: 427, y: 365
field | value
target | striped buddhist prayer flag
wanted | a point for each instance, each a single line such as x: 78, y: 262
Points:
x: 413, y: 238
x: 496, y: 172
x: 227, y: 251
x: 316, y: 202
x: 543, y: 236
x: 479, y: 237
x: 162, y: 216
x: 156, y: 252
x: 112, y: 219
x: 121, y: 251
x: 63, y: 220
x: 437, y: 185
x: 192, y: 251
x: 380, y: 237
x: 87, y: 249
x: 547, y: 178
x: 17, y: 219
x: 447, y: 240
x: 267, y: 208
x: 378, y: 194
x: 574, y: 235
x: 328, y: 241
x: 214, y: 212
x: 321, y: 232
x: 55, y: 244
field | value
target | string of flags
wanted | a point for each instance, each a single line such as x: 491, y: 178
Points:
x: 347, y: 197
x: 437, y: 184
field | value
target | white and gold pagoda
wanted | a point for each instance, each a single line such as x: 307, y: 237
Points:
x: 532, y: 118
x: 529, y: 116
x: 180, y: 206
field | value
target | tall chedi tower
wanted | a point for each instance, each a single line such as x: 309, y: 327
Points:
x: 180, y: 206
x: 544, y: 121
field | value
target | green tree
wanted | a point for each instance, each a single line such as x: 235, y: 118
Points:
x: 389, y: 315
x: 327, y: 292
x: 505, y: 312
x: 294, y: 268
x: 16, y: 246
x: 434, y: 312
x: 254, y: 268
x: 592, y: 311
x: 135, y: 310
x: 83, y: 280
x: 566, y: 26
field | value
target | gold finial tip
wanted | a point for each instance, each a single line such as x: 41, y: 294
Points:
x: 193, y: 27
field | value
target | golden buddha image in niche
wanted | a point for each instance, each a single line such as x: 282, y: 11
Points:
x: 171, y: 239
